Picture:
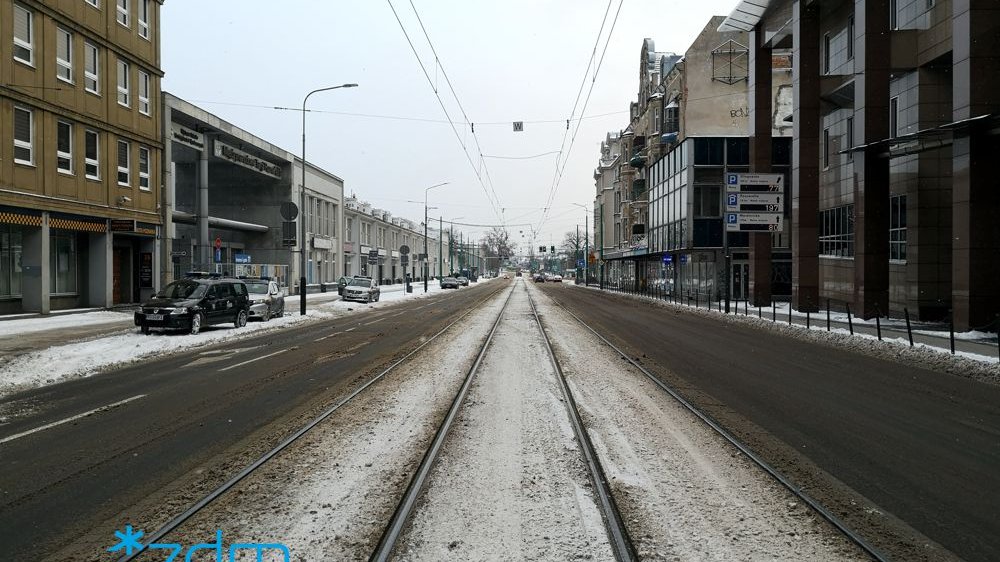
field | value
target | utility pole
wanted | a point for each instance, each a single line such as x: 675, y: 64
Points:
x: 441, y: 247
x: 586, y: 249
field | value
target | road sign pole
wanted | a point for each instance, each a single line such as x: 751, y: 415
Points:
x: 725, y: 276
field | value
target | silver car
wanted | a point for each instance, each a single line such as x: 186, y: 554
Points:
x: 362, y: 289
x: 266, y: 299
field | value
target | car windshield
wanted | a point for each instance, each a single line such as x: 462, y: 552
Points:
x: 183, y: 289
x: 360, y: 283
x: 256, y: 286
x: 448, y: 280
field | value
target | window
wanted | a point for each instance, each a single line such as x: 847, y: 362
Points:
x: 91, y: 68
x: 64, y: 55
x: 123, y: 168
x: 64, y: 147
x: 123, y: 12
x: 24, y: 132
x: 23, y: 36
x: 850, y: 38
x: 123, y: 83
x: 893, y: 20
x: 143, y: 168
x: 656, y: 120
x: 91, y: 150
x: 62, y: 262
x: 893, y: 117
x: 897, y: 227
x: 850, y: 139
x: 143, y: 93
x: 707, y: 201
x: 826, y: 148
x: 826, y: 54
x: 349, y: 235
x: 10, y: 260
x: 144, y: 19
x: 836, y: 238
x: 94, y: 3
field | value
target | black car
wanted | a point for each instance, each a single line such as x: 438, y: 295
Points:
x: 188, y: 304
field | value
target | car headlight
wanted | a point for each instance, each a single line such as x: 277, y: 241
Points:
x: 180, y: 310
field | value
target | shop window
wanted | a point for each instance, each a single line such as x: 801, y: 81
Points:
x: 897, y: 228
x: 62, y: 262
x: 24, y: 36
x: 91, y: 151
x: 836, y: 237
x: 64, y: 55
x: 10, y: 261
x: 64, y: 147
x: 143, y: 168
x: 24, y: 132
x: 91, y: 68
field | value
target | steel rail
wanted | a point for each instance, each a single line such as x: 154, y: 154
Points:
x: 621, y: 542
x: 745, y: 449
x: 392, y: 532
x: 222, y: 489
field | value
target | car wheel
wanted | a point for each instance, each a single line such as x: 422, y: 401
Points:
x: 378, y: 296
x: 196, y: 323
x: 241, y: 319
x: 266, y: 316
x: 281, y: 312
x: 145, y: 329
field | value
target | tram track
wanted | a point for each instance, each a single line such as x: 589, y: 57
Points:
x: 743, y: 448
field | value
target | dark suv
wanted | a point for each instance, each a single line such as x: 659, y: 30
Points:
x: 188, y: 304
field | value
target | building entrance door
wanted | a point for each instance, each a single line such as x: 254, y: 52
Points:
x: 122, y: 274
x: 741, y: 281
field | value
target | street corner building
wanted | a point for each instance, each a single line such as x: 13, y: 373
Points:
x: 80, y: 153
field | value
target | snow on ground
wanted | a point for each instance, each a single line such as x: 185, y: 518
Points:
x: 684, y: 492
x: 329, y: 495
x: 510, y: 482
x: 51, y: 365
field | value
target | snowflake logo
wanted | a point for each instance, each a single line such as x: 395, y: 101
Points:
x: 127, y: 540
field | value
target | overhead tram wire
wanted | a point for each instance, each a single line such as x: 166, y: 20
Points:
x: 465, y: 150
x: 454, y: 94
x: 593, y: 82
x: 576, y: 102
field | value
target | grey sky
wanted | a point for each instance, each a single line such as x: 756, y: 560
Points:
x: 510, y: 60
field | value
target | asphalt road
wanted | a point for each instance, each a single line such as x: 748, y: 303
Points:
x: 192, y: 419
x: 922, y: 445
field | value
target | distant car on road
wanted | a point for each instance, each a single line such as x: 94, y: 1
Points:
x: 557, y: 278
x: 266, y: 299
x: 506, y: 275
x: 539, y: 278
x: 449, y: 283
x: 463, y: 280
x: 188, y: 304
x: 362, y: 289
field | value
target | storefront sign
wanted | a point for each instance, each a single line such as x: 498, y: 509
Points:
x: 237, y: 156
x: 145, y: 228
x: 349, y: 247
x: 146, y: 270
x: 320, y: 243
x: 241, y: 258
x: 187, y: 137
x: 122, y: 225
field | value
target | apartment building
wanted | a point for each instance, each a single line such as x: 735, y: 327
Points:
x: 896, y: 108
x: 80, y: 152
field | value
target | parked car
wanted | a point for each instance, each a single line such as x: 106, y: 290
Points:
x: 191, y: 303
x: 557, y: 278
x: 506, y: 275
x: 266, y: 299
x: 463, y: 280
x: 449, y: 283
x: 362, y: 289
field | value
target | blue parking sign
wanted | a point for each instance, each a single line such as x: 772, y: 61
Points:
x: 732, y: 179
x: 733, y: 198
x: 731, y: 218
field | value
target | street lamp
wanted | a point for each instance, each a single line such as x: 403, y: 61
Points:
x: 302, y: 202
x: 426, y: 191
x: 586, y: 243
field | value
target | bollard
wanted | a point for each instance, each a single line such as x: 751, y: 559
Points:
x: 774, y: 311
x: 760, y: 313
x: 808, y: 315
x: 951, y: 330
x: 878, y: 326
x: 827, y: 315
x: 849, y: 323
x: 789, y: 313
x: 696, y: 300
x: 909, y: 332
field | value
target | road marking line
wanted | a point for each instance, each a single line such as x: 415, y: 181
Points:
x: 351, y: 329
x: 328, y: 336
x: 73, y: 418
x: 374, y: 321
x: 252, y: 360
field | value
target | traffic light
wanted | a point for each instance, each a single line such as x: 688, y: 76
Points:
x: 541, y: 249
x: 553, y: 249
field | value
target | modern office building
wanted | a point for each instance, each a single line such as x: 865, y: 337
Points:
x: 896, y: 113
x: 80, y: 153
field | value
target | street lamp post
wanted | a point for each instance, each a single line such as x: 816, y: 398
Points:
x: 302, y: 202
x: 425, y: 230
x: 586, y: 243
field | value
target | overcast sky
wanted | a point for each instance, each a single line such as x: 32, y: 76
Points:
x: 508, y: 60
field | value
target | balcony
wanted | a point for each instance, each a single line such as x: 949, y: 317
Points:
x: 639, y: 189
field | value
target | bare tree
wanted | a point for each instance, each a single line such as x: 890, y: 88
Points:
x: 497, y: 244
